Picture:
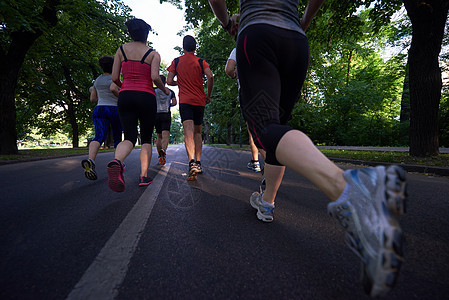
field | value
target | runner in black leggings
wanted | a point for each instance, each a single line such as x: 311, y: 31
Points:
x: 139, y: 65
x: 272, y: 59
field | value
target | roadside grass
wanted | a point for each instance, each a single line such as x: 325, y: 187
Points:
x: 441, y: 160
x: 47, y: 152
x: 395, y: 157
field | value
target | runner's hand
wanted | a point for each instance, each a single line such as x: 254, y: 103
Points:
x: 207, y: 99
x: 235, y: 24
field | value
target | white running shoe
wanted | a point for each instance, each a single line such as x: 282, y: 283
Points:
x: 264, y: 212
x: 377, y: 197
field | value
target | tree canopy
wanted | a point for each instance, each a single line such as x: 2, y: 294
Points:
x: 352, y: 94
x: 355, y: 93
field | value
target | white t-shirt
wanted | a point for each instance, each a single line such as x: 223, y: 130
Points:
x: 233, y: 56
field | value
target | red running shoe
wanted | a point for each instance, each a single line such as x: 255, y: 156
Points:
x: 116, y: 181
x: 144, y: 181
x: 162, y: 157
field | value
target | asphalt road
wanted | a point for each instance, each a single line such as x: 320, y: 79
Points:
x: 65, y: 237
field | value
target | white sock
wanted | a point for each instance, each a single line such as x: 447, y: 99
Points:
x: 344, y: 196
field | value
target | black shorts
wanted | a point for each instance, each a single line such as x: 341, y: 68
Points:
x: 272, y: 64
x: 163, y: 122
x: 191, y: 112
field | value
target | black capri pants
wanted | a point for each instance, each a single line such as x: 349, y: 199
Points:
x: 272, y: 64
x: 135, y: 107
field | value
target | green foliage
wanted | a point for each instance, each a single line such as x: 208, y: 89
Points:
x: 61, y: 66
x: 351, y: 95
x: 176, y: 129
x: 444, y: 119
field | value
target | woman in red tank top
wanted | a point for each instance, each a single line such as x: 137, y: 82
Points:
x: 139, y: 66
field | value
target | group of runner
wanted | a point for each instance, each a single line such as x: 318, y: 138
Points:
x: 106, y: 114
x: 271, y: 60
x: 133, y: 101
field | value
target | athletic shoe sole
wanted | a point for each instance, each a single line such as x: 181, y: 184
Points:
x: 89, y: 171
x: 192, y: 176
x: 391, y: 256
x: 380, y: 269
x: 145, y: 183
x: 193, y: 172
x: 115, y: 180
x: 260, y: 215
x: 254, y: 169
x: 162, y: 160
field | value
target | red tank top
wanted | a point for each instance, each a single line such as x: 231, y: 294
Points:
x: 136, y: 74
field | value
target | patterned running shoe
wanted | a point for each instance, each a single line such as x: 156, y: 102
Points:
x: 116, y: 181
x: 377, y: 197
x: 264, y: 211
x: 89, y: 169
x: 162, y: 155
x: 193, y: 171
x: 199, y: 167
x: 144, y: 180
x: 254, y: 165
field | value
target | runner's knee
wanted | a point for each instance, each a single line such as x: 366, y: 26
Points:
x: 268, y: 139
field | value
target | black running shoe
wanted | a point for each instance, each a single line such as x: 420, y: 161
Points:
x: 193, y: 170
x: 199, y: 168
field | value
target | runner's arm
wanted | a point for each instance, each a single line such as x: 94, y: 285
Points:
x: 93, y: 95
x: 173, y: 100
x: 312, y: 8
x: 116, y: 68
x: 221, y: 12
x: 210, y: 84
x: 171, y: 79
x: 114, y: 89
x: 230, y: 68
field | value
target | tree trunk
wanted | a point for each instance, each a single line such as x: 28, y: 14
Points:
x: 405, y: 100
x: 228, y: 133
x: 8, y: 132
x: 72, y: 121
x: 11, y: 60
x: 206, y: 127
x: 349, y: 67
x: 428, y: 22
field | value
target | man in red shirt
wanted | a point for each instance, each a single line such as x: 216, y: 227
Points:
x: 189, y: 71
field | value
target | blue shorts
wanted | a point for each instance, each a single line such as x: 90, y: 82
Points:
x: 103, y: 116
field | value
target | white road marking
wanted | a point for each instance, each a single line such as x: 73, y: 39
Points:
x: 106, y: 273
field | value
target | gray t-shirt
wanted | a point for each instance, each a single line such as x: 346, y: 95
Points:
x: 163, y: 101
x: 279, y: 13
x: 105, y: 96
